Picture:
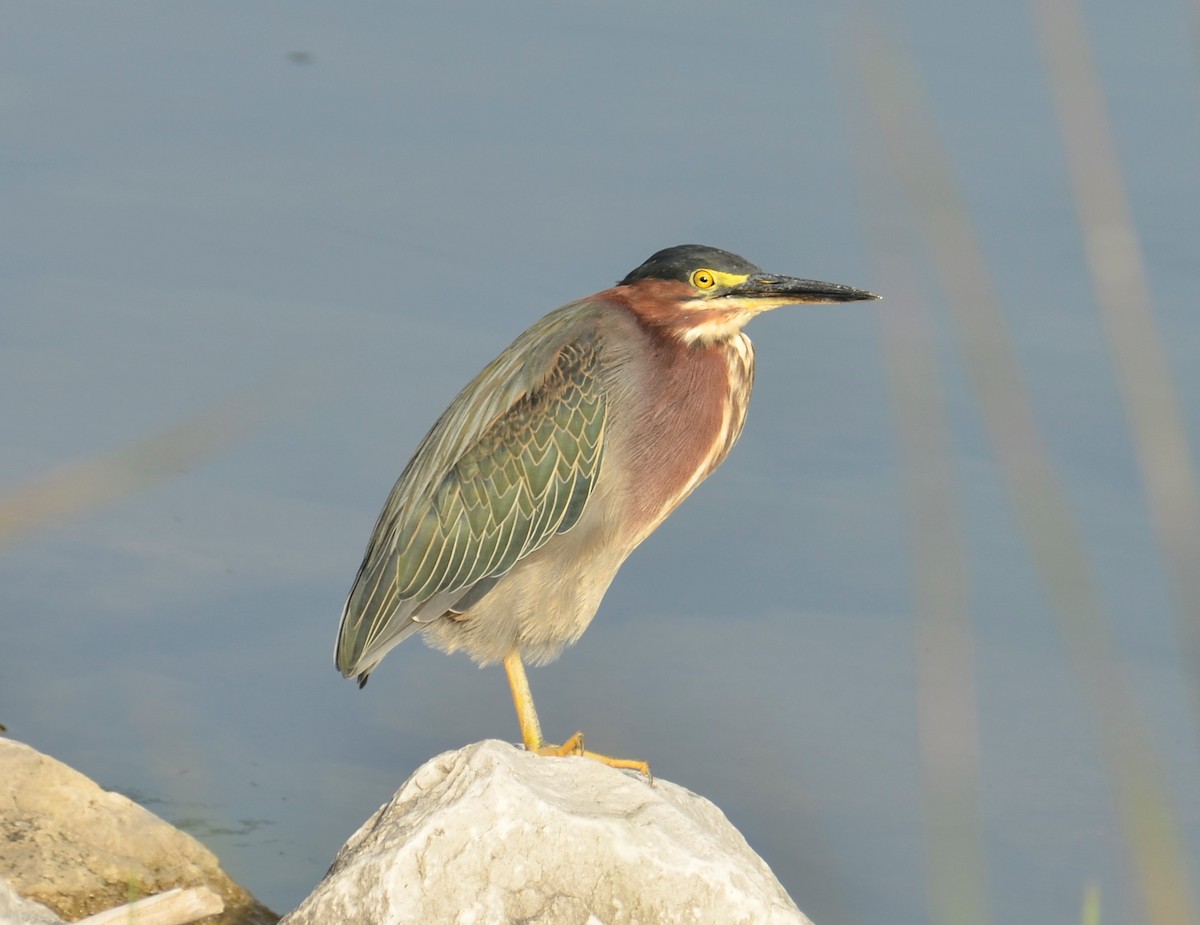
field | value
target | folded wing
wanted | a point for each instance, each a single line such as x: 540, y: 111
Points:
x: 510, y: 464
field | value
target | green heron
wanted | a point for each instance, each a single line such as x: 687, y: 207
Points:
x: 514, y: 514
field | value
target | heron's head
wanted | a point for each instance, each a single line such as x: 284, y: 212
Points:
x: 704, y: 294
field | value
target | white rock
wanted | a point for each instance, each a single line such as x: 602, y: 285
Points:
x: 15, y: 909
x: 491, y: 834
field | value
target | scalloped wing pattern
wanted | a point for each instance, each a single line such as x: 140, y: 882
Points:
x: 527, y: 477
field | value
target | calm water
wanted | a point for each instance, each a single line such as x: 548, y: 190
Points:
x: 193, y: 211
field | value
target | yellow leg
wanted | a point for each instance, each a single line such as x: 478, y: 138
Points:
x: 531, y: 729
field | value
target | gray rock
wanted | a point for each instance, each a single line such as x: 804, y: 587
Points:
x: 15, y: 909
x: 70, y: 845
x: 491, y: 834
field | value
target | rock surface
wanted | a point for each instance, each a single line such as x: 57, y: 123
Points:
x: 491, y: 834
x: 78, y: 849
x: 15, y: 909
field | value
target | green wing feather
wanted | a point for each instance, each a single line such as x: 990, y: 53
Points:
x: 511, y: 463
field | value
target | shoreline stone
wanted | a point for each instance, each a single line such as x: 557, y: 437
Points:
x: 485, y: 835
x: 491, y: 834
x: 78, y: 849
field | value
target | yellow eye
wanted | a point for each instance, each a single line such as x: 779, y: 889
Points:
x: 703, y: 279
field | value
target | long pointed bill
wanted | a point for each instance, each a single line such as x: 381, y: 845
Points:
x: 721, y: 316
x: 763, y: 290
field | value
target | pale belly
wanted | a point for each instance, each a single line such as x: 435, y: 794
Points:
x: 543, y: 604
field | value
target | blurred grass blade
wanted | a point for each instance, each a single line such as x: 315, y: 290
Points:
x: 78, y: 488
x: 946, y: 705
x: 1195, y: 11
x: 1148, y: 826
x: 1123, y: 295
x: 1090, y: 914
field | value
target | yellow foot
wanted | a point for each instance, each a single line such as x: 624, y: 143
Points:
x: 574, y: 746
x: 531, y: 729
